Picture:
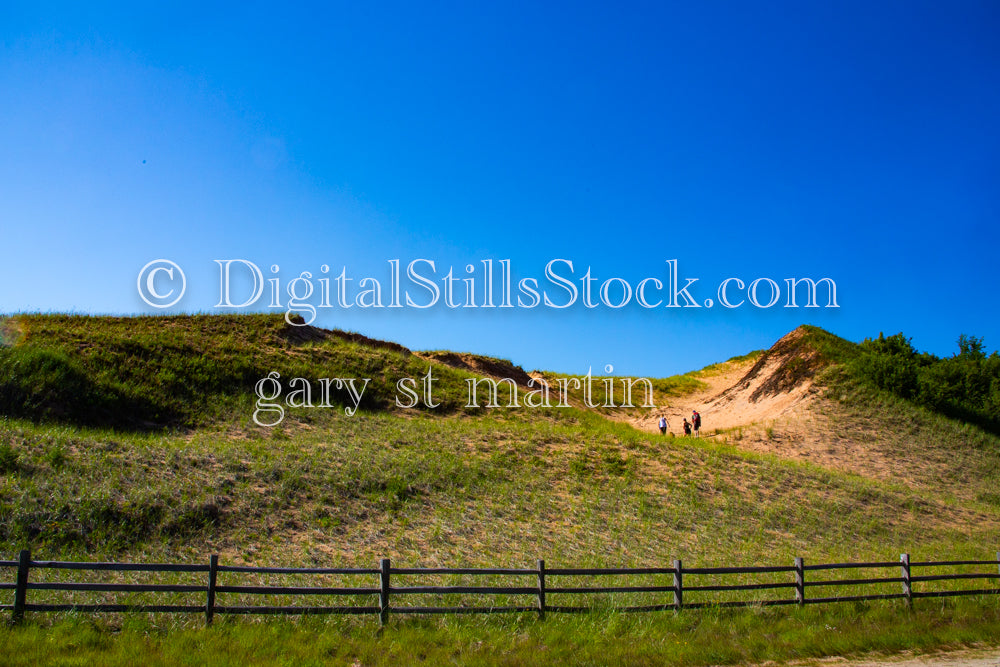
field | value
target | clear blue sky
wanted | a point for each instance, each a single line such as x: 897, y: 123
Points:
x: 852, y: 140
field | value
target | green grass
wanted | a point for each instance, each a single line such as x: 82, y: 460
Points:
x: 714, y: 368
x: 702, y: 638
x: 492, y: 489
x: 155, y: 373
x: 957, y: 462
x: 150, y: 373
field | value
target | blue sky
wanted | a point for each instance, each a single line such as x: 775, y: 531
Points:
x: 854, y: 140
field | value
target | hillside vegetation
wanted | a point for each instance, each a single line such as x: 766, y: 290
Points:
x: 965, y: 386
x: 185, y: 371
x: 133, y: 438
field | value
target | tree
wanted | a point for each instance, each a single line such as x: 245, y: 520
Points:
x: 971, y: 347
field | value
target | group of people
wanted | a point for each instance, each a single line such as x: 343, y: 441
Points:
x: 689, y: 426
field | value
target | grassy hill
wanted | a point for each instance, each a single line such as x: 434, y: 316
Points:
x: 126, y: 436
x: 148, y: 373
x: 133, y: 439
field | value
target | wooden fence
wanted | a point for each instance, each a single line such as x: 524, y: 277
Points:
x: 665, y: 588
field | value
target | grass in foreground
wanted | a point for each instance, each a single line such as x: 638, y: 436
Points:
x: 704, y: 637
x: 499, y: 490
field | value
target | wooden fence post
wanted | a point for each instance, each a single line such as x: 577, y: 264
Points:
x: 678, y: 586
x: 904, y: 564
x: 21, y: 591
x: 541, y: 589
x: 213, y: 573
x: 383, y: 596
x: 800, y: 581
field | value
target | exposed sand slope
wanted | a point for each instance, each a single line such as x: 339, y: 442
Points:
x: 772, y: 406
x: 777, y: 384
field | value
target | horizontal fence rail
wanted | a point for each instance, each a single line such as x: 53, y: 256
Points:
x: 405, y: 590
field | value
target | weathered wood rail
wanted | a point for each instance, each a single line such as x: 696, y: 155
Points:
x: 379, y: 594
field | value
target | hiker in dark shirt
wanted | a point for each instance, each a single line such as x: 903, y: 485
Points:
x: 687, y: 427
x: 696, y: 422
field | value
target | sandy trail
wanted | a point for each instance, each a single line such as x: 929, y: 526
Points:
x: 727, y: 403
x: 717, y: 381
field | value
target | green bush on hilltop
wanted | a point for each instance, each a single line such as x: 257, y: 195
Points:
x: 965, y: 386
